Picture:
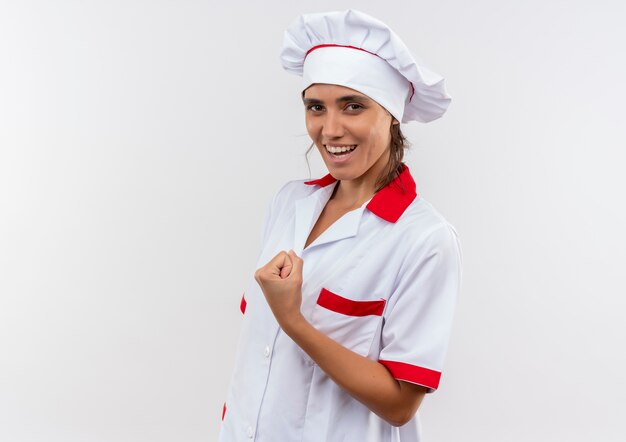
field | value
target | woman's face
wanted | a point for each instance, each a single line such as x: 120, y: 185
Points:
x: 337, y: 116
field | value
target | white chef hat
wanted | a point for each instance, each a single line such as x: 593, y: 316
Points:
x: 352, y: 49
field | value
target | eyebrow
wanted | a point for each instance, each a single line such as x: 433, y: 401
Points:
x: 339, y: 100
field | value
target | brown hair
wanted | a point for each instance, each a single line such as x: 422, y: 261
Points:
x: 396, y: 154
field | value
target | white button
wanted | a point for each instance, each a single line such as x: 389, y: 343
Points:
x: 250, y: 432
x: 267, y: 351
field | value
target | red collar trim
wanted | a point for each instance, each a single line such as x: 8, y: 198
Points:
x: 390, y: 202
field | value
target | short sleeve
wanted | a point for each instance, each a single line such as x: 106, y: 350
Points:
x: 418, y: 318
x: 269, y: 215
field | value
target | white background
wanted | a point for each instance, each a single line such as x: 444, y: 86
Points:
x: 140, y: 142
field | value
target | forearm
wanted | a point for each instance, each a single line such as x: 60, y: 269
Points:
x: 366, y: 380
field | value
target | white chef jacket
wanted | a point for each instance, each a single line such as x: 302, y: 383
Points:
x: 383, y: 281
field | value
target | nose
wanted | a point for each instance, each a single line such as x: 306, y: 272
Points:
x: 332, y: 126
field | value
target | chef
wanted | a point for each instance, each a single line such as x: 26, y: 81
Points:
x: 347, y: 318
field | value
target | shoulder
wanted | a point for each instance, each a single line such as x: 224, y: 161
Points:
x: 425, y: 231
x: 422, y: 219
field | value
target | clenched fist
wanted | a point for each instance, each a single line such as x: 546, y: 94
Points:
x: 281, y: 282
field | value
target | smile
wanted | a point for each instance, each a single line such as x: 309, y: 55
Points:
x: 339, y: 150
x: 340, y: 154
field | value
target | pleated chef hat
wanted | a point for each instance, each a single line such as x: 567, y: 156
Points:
x: 352, y: 49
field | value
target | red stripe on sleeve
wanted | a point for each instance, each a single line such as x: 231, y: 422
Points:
x: 243, y: 303
x: 412, y: 373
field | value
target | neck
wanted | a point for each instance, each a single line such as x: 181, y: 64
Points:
x: 351, y: 194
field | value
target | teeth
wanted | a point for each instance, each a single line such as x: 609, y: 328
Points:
x: 339, y: 149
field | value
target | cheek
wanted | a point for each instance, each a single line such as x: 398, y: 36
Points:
x: 311, y: 127
x: 379, y: 137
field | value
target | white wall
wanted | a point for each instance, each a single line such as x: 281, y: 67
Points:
x: 140, y: 142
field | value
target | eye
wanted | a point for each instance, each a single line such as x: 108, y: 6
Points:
x: 311, y: 106
x: 358, y: 106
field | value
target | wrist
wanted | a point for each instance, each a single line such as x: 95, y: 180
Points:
x: 292, y: 323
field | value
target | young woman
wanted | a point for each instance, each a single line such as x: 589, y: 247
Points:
x: 348, y: 315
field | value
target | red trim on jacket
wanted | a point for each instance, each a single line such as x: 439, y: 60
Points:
x: 339, y: 304
x: 412, y: 373
x: 224, y: 411
x: 243, y: 303
x: 390, y: 202
x: 324, y: 181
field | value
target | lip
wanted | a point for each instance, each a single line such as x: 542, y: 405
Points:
x: 342, y: 159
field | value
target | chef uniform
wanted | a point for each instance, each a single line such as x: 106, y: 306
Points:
x: 383, y: 280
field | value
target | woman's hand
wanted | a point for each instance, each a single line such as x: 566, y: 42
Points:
x: 281, y: 282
